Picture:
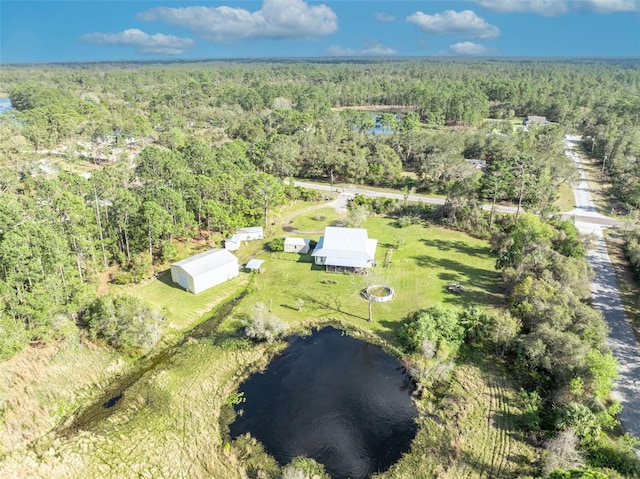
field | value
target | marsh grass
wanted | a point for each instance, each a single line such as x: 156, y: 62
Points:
x: 41, y: 385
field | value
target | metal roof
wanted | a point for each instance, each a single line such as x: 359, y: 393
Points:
x: 254, y: 264
x: 205, y: 262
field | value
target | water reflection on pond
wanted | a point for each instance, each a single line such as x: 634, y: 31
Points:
x: 341, y: 401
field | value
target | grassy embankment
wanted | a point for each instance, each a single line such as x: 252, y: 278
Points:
x: 168, y: 424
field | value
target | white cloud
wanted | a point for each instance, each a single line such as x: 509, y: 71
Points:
x: 384, y: 17
x: 278, y: 19
x: 469, y: 48
x: 560, y: 7
x: 371, y: 48
x: 464, y: 24
x: 142, y: 42
x: 548, y: 8
x: 609, y: 6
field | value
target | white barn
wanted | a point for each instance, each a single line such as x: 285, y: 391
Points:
x: 244, y: 234
x: 204, y: 270
x: 345, y: 249
x: 296, y: 245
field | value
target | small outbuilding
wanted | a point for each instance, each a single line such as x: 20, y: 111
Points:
x: 255, y: 265
x: 204, y: 270
x: 244, y: 234
x: 296, y: 245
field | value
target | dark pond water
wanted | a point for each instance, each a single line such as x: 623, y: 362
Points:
x: 341, y: 401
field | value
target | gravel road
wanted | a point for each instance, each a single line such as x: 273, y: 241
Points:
x: 606, y: 298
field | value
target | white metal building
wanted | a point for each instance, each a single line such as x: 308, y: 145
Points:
x: 345, y: 249
x: 244, y: 234
x: 204, y: 270
x: 296, y: 245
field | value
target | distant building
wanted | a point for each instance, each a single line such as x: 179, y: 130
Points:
x: 296, y: 245
x: 540, y: 120
x: 204, y: 270
x: 345, y: 250
x: 244, y: 234
x: 478, y: 164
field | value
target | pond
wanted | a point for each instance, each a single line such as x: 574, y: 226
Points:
x: 339, y: 400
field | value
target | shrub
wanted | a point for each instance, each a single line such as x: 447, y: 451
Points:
x: 13, y: 337
x: 125, y: 322
x: 168, y: 252
x: 435, y: 324
x: 403, y: 222
x: 263, y: 325
x: 632, y: 251
x: 122, y: 277
x: 276, y: 245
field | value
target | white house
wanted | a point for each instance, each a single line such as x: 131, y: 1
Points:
x: 244, y: 234
x: 540, y: 120
x: 296, y: 245
x: 204, y: 270
x: 345, y: 249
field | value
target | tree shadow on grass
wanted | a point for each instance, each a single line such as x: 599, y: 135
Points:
x: 330, y: 304
x: 480, y: 285
x: 460, y: 246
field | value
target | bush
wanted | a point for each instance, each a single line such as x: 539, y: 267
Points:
x: 168, y: 252
x: 403, y: 222
x: 263, y: 325
x: 435, y: 324
x: 13, y: 337
x: 125, y: 322
x: 276, y: 245
x: 632, y: 251
x: 122, y: 277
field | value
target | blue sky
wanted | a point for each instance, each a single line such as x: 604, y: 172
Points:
x: 65, y: 31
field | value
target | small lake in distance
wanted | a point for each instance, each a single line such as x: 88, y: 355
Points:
x: 339, y: 400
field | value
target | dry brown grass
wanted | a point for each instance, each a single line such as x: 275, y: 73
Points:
x: 627, y: 285
x: 166, y: 425
x: 472, y: 433
x: 599, y: 185
x: 43, y: 384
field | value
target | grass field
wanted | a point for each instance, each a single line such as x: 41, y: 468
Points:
x: 566, y: 200
x: 183, y: 308
x: 42, y: 385
x: 430, y: 258
x: 315, y: 220
x: 171, y: 422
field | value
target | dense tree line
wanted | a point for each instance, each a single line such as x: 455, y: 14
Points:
x: 559, y: 349
x: 213, y: 145
x: 58, y: 232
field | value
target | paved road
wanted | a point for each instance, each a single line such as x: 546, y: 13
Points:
x: 604, y: 288
x: 351, y: 191
x: 606, y: 298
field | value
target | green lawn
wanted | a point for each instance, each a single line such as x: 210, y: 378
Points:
x: 566, y: 200
x: 312, y: 220
x: 183, y: 308
x: 430, y: 258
